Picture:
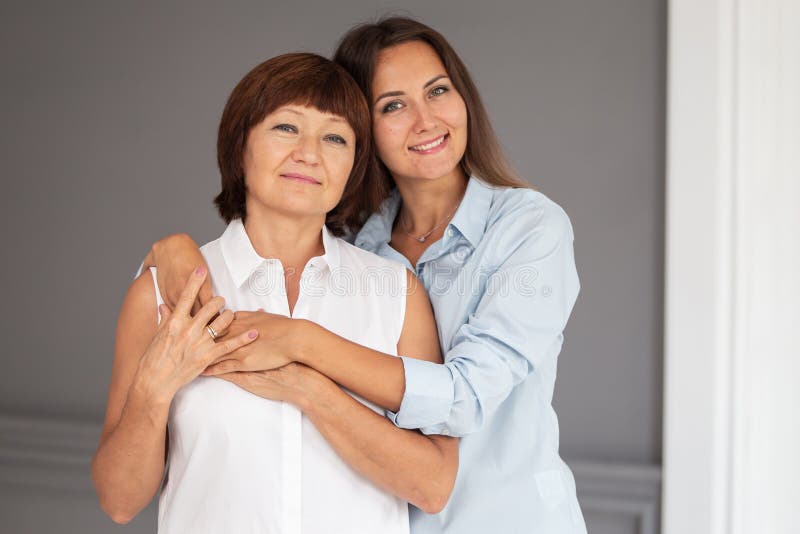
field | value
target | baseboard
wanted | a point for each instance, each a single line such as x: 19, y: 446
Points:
x: 624, y: 491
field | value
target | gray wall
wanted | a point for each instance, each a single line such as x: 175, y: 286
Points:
x: 110, y: 114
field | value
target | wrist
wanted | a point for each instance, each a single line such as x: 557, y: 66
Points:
x: 315, y: 389
x: 143, y: 393
x: 305, y: 332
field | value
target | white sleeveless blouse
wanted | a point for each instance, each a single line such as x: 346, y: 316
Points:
x: 239, y: 463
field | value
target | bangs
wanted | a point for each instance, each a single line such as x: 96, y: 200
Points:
x: 300, y: 79
x: 316, y: 82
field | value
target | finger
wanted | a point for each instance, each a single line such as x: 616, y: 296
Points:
x: 189, y: 293
x: 196, y: 307
x: 224, y: 367
x: 228, y: 346
x: 205, y: 292
x: 221, y: 323
x: 247, y: 314
x: 207, y: 313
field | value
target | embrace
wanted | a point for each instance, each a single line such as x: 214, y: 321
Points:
x: 371, y: 345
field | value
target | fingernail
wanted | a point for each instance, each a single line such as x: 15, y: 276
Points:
x: 252, y: 334
x: 200, y: 271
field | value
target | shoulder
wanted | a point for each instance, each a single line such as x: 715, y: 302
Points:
x: 139, y: 309
x: 527, y: 214
x: 526, y: 224
x: 141, y: 293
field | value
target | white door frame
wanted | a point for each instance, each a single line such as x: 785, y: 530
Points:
x: 731, y: 436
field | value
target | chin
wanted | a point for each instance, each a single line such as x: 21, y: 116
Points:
x: 435, y: 172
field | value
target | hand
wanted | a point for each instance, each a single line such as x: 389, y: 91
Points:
x: 292, y: 383
x: 182, y: 346
x: 278, y: 342
x: 175, y: 258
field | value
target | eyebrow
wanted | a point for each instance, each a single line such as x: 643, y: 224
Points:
x: 331, y: 118
x: 401, y: 93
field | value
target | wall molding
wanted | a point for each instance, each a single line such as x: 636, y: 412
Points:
x: 615, y: 489
x: 53, y: 455
x: 47, y: 454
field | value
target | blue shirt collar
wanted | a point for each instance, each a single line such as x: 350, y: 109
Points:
x: 470, y: 219
x: 242, y: 259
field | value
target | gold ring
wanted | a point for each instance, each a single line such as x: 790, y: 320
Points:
x: 212, y: 332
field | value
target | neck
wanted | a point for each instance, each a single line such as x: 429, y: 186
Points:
x: 427, y: 202
x: 291, y: 239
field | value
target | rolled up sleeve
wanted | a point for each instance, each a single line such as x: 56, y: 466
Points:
x: 518, y: 323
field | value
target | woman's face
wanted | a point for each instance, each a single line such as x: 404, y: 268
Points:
x: 297, y: 161
x: 419, y: 119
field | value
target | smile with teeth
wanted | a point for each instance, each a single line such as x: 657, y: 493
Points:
x: 428, y: 146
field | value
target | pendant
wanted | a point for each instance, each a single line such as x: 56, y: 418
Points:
x: 421, y: 239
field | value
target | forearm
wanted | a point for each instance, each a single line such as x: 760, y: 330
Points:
x: 374, y: 375
x: 417, y: 468
x: 129, y: 464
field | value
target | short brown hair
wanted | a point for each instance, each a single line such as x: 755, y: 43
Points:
x: 358, y: 53
x: 303, y: 79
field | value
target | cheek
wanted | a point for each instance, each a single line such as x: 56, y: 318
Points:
x: 457, y: 114
x: 389, y: 135
x: 341, y: 168
x: 261, y: 157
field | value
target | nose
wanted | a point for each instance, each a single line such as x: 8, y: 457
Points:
x: 425, y: 120
x: 306, y: 151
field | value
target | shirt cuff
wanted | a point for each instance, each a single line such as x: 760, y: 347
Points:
x: 428, y: 398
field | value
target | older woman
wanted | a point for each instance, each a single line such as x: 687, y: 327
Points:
x: 259, y: 452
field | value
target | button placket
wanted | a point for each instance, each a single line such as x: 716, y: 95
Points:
x: 292, y: 467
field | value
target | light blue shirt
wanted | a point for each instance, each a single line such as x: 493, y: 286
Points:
x: 502, y: 281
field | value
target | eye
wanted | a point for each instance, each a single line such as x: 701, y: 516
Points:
x: 285, y: 128
x: 438, y: 91
x: 394, y: 105
x: 334, y: 138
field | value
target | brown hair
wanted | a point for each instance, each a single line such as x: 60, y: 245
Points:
x: 302, y: 79
x: 358, y: 53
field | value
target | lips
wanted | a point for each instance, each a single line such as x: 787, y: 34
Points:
x: 302, y: 178
x: 431, y: 146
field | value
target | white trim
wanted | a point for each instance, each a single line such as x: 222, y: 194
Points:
x: 626, y: 490
x: 732, y: 232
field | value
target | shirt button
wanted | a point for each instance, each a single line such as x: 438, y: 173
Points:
x: 445, y: 432
x: 449, y: 232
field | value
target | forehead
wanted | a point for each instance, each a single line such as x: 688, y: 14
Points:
x: 406, y: 63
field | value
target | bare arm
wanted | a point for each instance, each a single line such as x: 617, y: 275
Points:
x: 150, y: 364
x: 129, y: 462
x: 417, y: 468
x: 376, y: 376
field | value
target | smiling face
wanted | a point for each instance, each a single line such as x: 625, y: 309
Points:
x: 297, y: 162
x: 419, y: 119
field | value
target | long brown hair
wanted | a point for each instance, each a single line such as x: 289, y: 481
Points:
x: 358, y: 53
x: 303, y: 79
